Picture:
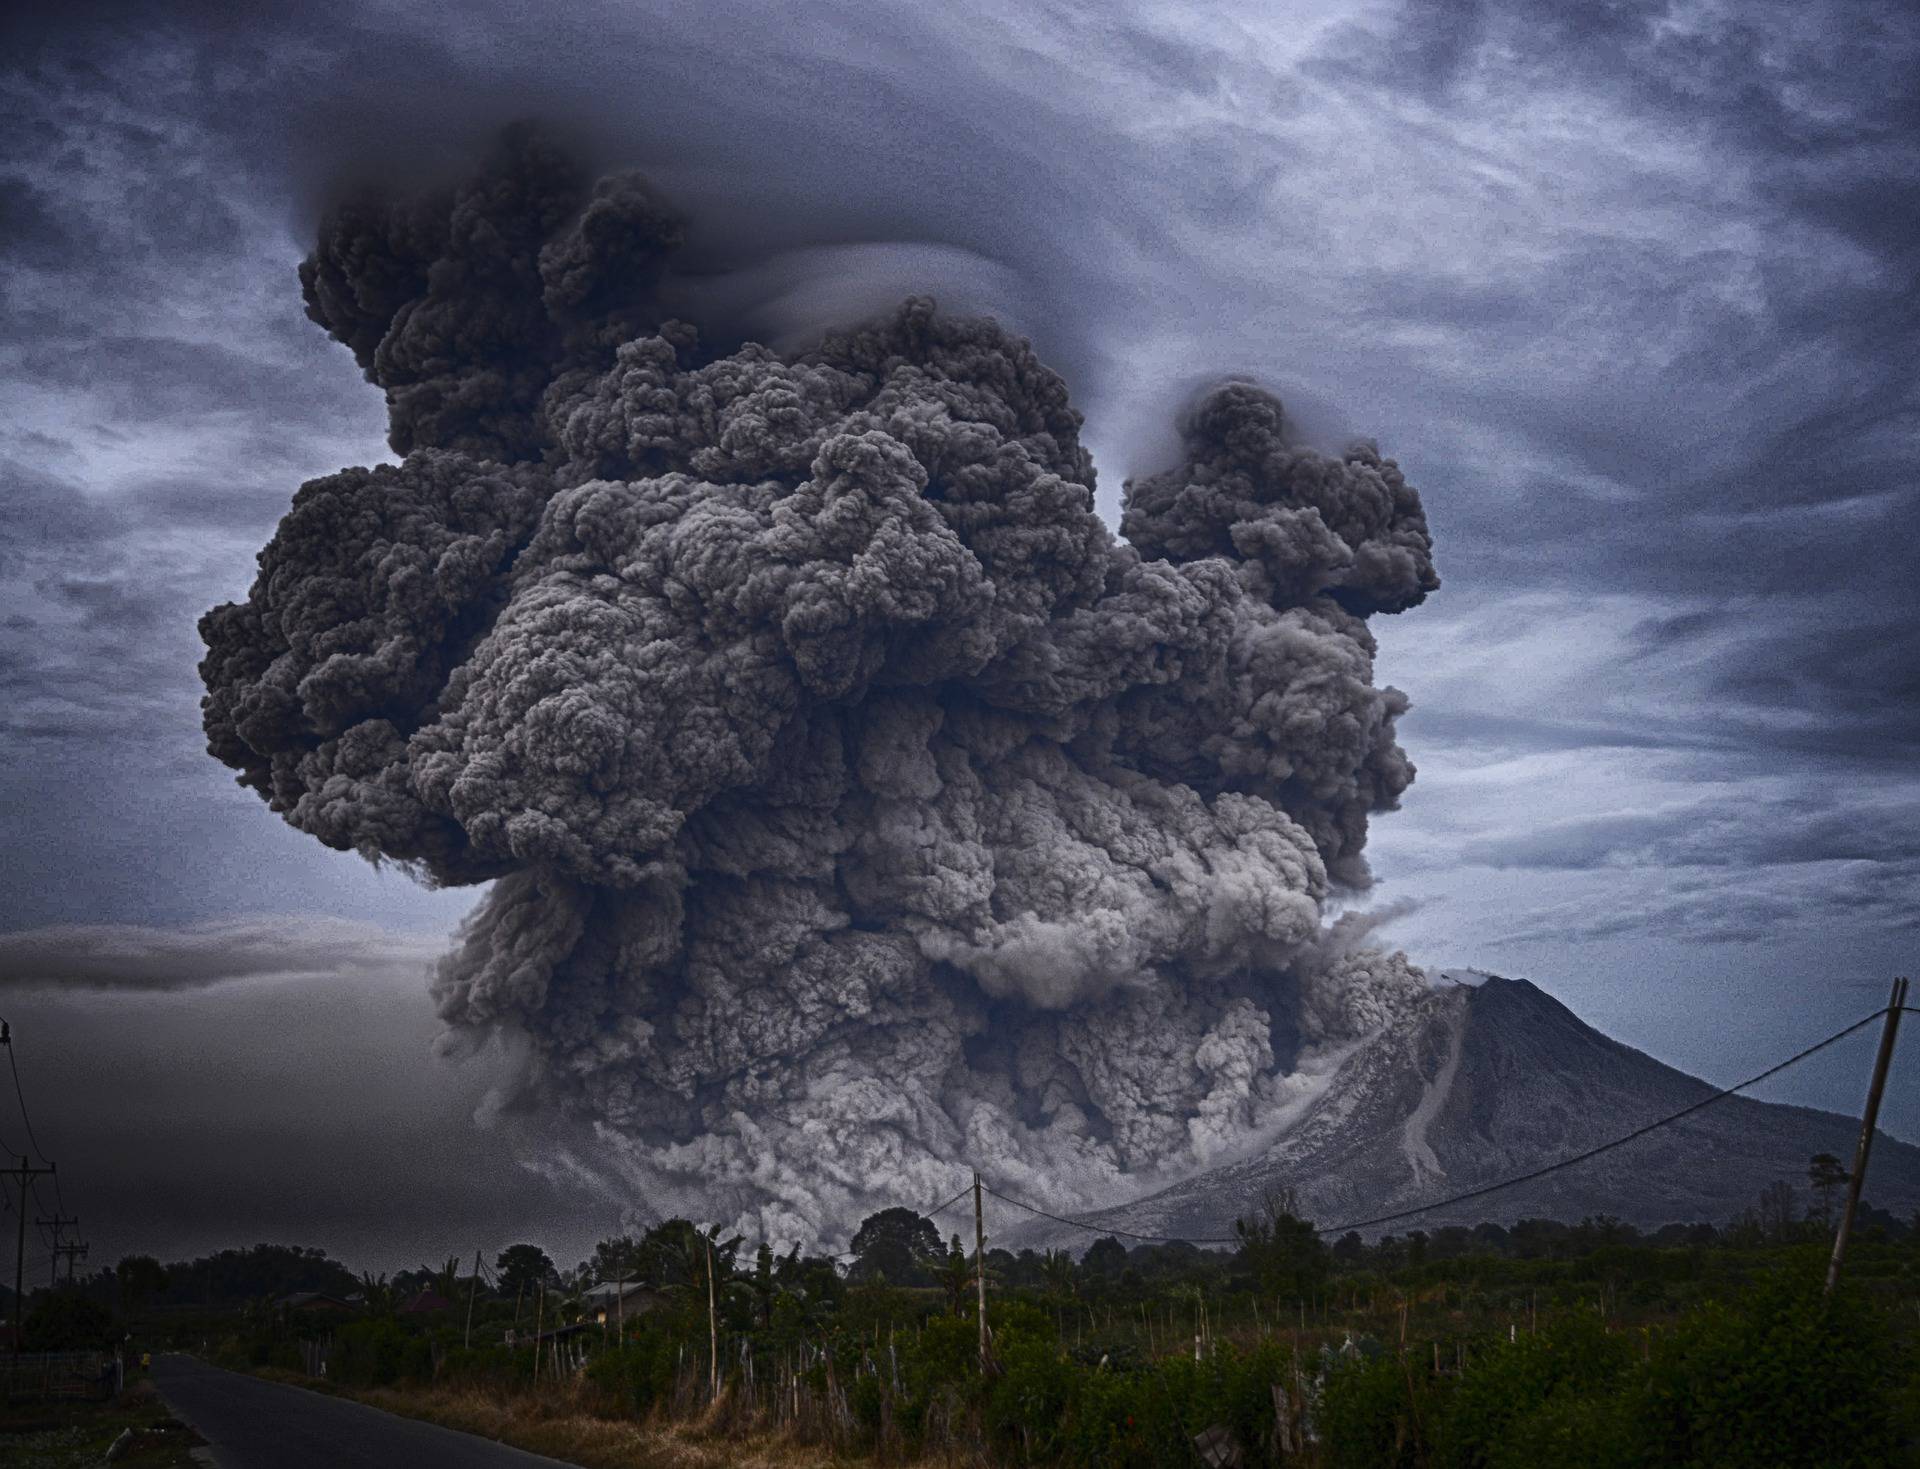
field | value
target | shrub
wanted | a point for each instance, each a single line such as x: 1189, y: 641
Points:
x: 1377, y: 1413
x: 1028, y: 1405
x: 1788, y: 1378
x: 378, y: 1353
x: 67, y: 1321
x: 637, y: 1374
x: 1513, y: 1382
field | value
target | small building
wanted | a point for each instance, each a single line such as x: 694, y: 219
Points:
x: 620, y: 1300
x: 425, y: 1303
x: 313, y: 1302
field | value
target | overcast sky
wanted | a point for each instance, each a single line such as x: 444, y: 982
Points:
x: 1629, y: 291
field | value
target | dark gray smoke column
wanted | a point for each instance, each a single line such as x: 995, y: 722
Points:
x: 857, y: 806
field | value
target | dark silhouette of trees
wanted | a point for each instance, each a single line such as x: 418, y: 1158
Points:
x: 1282, y: 1251
x: 523, y: 1268
x: 1106, y: 1257
x: 141, y: 1278
x: 66, y: 1321
x: 897, y: 1246
x: 1825, y: 1173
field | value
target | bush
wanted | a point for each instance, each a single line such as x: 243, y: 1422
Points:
x: 637, y: 1374
x: 1372, y: 1414
x: 1569, y: 1431
x: 379, y: 1353
x: 1790, y: 1378
x: 67, y: 1321
x: 1028, y: 1406
x: 1513, y: 1382
x: 490, y: 1365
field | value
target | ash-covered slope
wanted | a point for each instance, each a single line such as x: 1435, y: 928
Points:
x: 1484, y: 1082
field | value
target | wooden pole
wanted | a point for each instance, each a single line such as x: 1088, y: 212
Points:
x: 713, y: 1333
x: 1882, y: 1059
x: 980, y: 1264
x: 26, y: 1173
x: 472, y: 1293
x: 539, y: 1309
x: 713, y: 1329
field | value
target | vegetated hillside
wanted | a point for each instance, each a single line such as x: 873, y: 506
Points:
x: 1489, y: 1081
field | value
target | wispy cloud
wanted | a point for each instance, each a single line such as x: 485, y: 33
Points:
x: 124, y: 956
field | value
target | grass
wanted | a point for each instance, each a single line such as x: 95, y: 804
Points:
x: 564, y: 1430
x: 76, y: 1435
x: 564, y: 1427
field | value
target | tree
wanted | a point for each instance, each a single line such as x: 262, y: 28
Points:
x: 378, y: 1292
x: 896, y: 1246
x: 1779, y: 1211
x: 1106, y: 1257
x: 1283, y: 1251
x: 141, y: 1278
x: 1826, y: 1175
x: 523, y: 1268
x: 1416, y: 1249
x: 66, y: 1321
x: 955, y: 1277
x: 1056, y: 1268
x: 617, y: 1259
x: 675, y: 1254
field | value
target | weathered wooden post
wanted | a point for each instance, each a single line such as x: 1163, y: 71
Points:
x: 1882, y: 1059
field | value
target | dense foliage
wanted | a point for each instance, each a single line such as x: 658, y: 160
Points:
x: 1581, y: 1346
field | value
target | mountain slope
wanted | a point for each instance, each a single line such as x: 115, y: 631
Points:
x: 1485, y: 1082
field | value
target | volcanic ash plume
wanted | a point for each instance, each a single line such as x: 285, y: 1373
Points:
x: 856, y: 806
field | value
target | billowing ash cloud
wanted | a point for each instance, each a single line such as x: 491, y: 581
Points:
x: 856, y: 806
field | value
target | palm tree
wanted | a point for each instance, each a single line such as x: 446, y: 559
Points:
x: 376, y: 1292
x: 1057, y: 1269
x: 955, y: 1276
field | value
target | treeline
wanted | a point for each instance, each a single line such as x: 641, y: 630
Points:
x: 227, y: 1278
x: 1500, y: 1344
x: 1591, y: 1344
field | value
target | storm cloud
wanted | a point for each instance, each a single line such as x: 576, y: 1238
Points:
x: 855, y: 803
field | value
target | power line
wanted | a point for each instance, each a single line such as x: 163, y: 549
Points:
x: 13, y: 1064
x: 1152, y: 1239
x: 924, y: 1214
x: 1606, y: 1147
x: 6, y: 1039
x: 1484, y: 1189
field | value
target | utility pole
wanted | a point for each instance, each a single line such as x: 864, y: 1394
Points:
x: 78, y: 1248
x: 713, y: 1333
x: 1895, y: 1003
x: 26, y: 1174
x: 471, y: 1294
x: 57, y: 1224
x: 980, y: 1265
x: 539, y: 1309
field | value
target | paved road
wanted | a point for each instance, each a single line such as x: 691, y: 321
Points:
x: 252, y: 1424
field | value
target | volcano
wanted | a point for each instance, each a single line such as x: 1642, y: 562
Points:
x: 1483, y: 1081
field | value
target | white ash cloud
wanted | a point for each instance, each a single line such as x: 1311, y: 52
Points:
x: 858, y: 806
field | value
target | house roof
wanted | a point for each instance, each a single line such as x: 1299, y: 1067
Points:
x: 309, y: 1298
x: 613, y: 1290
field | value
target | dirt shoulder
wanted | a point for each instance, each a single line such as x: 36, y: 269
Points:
x: 68, y: 1435
x: 563, y: 1430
